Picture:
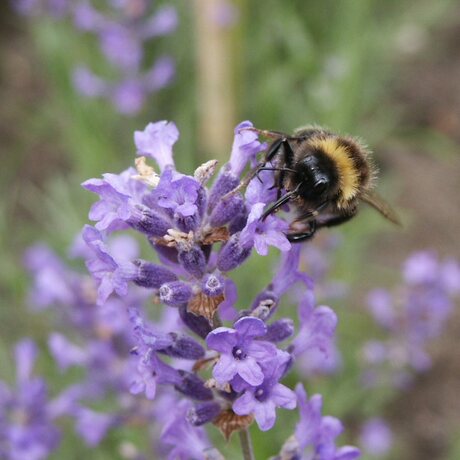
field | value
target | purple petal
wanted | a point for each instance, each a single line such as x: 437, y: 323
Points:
x: 225, y: 369
x: 249, y: 327
x: 227, y: 309
x: 250, y: 371
x: 245, y: 404
x: 245, y: 147
x: 283, y: 396
x: 265, y: 415
x: 222, y: 339
x: 104, y: 290
x: 156, y: 141
x: 261, y: 351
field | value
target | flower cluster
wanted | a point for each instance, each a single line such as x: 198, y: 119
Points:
x: 123, y: 29
x: 412, y: 317
x: 225, y: 374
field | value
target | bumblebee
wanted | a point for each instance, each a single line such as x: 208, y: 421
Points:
x: 324, y: 175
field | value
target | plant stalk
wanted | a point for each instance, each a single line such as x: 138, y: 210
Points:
x: 246, y: 444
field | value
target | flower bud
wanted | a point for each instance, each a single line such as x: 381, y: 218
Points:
x: 198, y: 324
x: 264, y: 304
x: 184, y: 347
x: 232, y: 254
x: 187, y: 223
x: 193, y: 387
x: 193, y: 261
x: 175, y: 293
x: 239, y: 221
x: 225, y: 183
x: 151, y: 275
x: 226, y: 210
x: 203, y: 413
x: 213, y: 285
x: 148, y: 221
x: 201, y: 201
x: 165, y: 253
x: 279, y: 330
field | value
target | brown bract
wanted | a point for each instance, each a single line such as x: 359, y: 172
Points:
x: 203, y: 305
x: 216, y: 235
x: 228, y: 422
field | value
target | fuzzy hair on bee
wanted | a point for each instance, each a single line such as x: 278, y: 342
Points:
x: 324, y: 175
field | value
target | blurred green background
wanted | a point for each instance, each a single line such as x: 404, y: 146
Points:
x: 386, y: 71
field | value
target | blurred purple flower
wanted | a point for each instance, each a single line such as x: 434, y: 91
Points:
x: 376, y: 437
x: 317, y: 329
x: 92, y: 426
x: 122, y: 38
x: 182, y: 438
x: 26, y: 426
x: 315, y: 434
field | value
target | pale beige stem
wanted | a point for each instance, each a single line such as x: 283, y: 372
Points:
x: 215, y: 80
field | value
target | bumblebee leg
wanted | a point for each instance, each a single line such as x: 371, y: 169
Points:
x: 264, y: 132
x: 302, y: 236
x: 340, y: 218
x: 307, y: 215
x: 274, y: 148
x: 278, y: 203
x: 280, y: 145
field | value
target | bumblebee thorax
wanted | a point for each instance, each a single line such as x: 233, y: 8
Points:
x: 349, y: 159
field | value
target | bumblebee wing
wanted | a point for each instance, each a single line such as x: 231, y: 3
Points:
x: 378, y: 203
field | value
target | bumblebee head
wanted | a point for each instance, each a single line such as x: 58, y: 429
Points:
x: 317, y: 177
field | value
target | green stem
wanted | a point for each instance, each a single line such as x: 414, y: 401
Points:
x: 246, y: 444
